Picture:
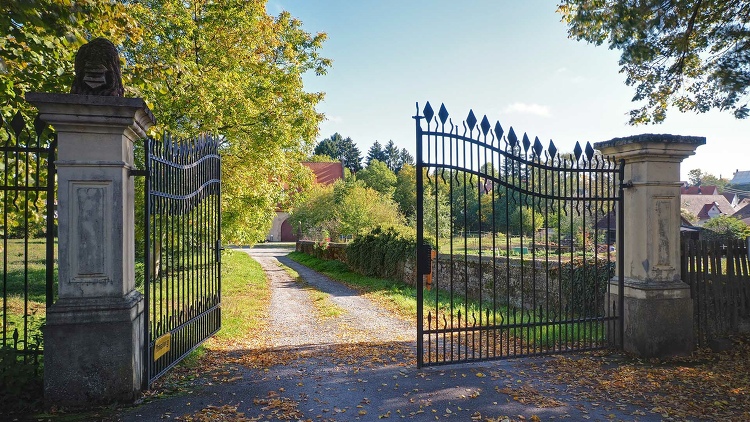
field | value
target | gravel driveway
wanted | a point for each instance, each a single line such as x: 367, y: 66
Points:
x: 293, y: 317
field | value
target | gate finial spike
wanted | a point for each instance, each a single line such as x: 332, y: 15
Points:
x: 498, y: 130
x: 552, y: 150
x: 538, y: 148
x: 471, y: 120
x: 589, y: 151
x: 17, y: 124
x: 485, y: 125
x: 577, y: 151
x: 443, y: 113
x: 512, y: 138
x: 428, y: 112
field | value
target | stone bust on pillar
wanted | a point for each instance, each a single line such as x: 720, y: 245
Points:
x: 97, y: 68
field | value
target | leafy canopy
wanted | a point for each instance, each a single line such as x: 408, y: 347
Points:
x: 725, y: 227
x: 690, y: 54
x: 698, y: 177
x: 220, y: 66
x: 378, y: 176
x: 345, y: 208
x: 40, y: 38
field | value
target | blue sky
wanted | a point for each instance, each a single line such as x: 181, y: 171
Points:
x: 509, y: 60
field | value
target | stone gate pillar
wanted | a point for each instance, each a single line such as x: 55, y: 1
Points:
x: 658, y: 311
x: 93, y: 337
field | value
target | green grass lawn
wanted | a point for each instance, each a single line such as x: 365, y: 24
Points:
x: 23, y: 313
x: 24, y: 285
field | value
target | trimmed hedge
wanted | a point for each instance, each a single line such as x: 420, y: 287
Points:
x: 377, y: 253
x: 584, y: 283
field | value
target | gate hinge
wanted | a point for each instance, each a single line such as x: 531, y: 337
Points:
x: 627, y: 185
x: 139, y: 173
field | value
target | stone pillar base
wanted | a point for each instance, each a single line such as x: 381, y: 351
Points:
x: 95, y: 346
x: 658, y: 318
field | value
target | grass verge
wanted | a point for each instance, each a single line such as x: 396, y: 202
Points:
x: 324, y: 306
x: 244, y: 309
x: 244, y: 299
x: 392, y: 295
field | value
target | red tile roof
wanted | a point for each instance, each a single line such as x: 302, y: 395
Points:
x: 326, y: 173
x: 699, y: 190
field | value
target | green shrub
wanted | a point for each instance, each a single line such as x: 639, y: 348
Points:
x: 21, y: 381
x: 377, y: 252
x: 584, y: 283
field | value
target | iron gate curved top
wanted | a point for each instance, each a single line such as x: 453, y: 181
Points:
x: 183, y: 249
x: 522, y: 242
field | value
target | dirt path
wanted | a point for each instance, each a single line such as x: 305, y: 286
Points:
x: 295, y: 320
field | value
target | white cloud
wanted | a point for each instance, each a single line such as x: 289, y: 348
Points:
x: 561, y: 70
x: 523, y: 108
x: 335, y: 119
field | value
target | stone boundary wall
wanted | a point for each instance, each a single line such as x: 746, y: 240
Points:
x: 329, y: 251
x: 512, y: 281
x: 515, y: 282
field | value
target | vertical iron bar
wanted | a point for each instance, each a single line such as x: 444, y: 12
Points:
x: 621, y: 252
x: 50, y: 246
x: 147, y: 264
x: 435, y: 281
x: 495, y: 174
x: 5, y: 239
x: 420, y: 239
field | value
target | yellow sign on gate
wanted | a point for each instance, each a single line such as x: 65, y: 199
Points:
x: 162, y: 345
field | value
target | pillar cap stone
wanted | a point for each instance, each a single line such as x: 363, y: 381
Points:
x: 633, y: 148
x: 61, y: 110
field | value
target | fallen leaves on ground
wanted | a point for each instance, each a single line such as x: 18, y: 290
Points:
x: 279, y: 408
x: 526, y: 394
x: 705, y: 386
x: 226, y: 413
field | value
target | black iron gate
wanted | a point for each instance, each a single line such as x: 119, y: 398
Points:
x: 27, y: 186
x: 519, y: 243
x: 182, y: 262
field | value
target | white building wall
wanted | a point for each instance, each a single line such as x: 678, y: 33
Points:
x: 275, y: 234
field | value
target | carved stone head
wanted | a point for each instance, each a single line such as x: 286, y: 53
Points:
x: 97, y: 69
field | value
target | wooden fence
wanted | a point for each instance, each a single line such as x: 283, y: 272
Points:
x: 717, y: 272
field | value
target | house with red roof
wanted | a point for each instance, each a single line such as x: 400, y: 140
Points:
x: 699, y: 190
x: 706, y: 207
x: 325, y: 174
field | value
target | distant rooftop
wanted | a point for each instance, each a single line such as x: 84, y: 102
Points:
x: 741, y: 178
x: 699, y: 190
x: 326, y: 173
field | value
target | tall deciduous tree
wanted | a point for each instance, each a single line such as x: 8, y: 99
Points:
x: 228, y: 67
x: 378, y: 176
x: 690, y: 54
x: 222, y: 66
x: 698, y: 177
x: 405, y: 193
